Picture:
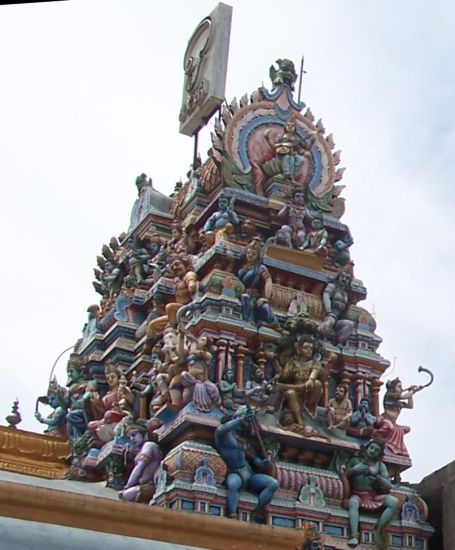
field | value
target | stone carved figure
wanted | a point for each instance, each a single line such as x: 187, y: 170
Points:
x: 57, y: 399
x: 186, y: 287
x: 292, y: 233
x: 258, y: 287
x: 231, y: 395
x: 290, y: 149
x: 370, y: 486
x: 362, y: 420
x: 198, y: 389
x: 284, y: 74
x: 311, y: 537
x: 140, y: 486
x: 335, y: 300
x: 246, y: 470
x: 395, y: 399
x: 300, y: 381
x: 340, y: 409
x: 112, y: 278
x: 223, y: 216
x: 316, y: 238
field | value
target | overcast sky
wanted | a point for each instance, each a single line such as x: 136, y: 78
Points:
x: 90, y: 97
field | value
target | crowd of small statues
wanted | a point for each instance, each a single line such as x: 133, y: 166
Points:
x: 184, y: 372
x: 289, y: 382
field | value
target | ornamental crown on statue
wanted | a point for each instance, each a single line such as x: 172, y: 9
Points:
x: 228, y: 327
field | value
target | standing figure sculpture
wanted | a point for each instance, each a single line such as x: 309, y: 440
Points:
x: 335, y: 300
x: 395, y: 399
x: 258, y: 287
x: 245, y: 469
x: 292, y: 233
x: 369, y: 487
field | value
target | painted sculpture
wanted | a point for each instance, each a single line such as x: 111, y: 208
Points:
x: 229, y: 332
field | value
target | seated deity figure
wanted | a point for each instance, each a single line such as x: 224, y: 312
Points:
x: 292, y: 233
x: 299, y: 384
x: 258, y: 287
x: 258, y: 390
x: 362, y: 420
x: 116, y: 403
x: 395, y: 399
x: 198, y: 389
x: 335, y: 300
x: 340, y: 409
x: 246, y: 470
x: 140, y: 486
x: 223, y: 216
x: 368, y: 483
x: 231, y: 395
x: 316, y: 238
x: 290, y: 149
x: 185, y: 289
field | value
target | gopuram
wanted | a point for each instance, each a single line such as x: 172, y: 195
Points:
x: 228, y: 368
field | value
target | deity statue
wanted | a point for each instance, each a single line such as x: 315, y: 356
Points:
x: 185, y: 289
x: 340, y: 253
x: 316, y: 238
x: 229, y: 392
x: 246, y: 470
x: 140, y: 486
x: 311, y: 537
x: 362, y: 420
x: 395, y: 399
x: 258, y: 287
x: 83, y: 399
x: 92, y: 326
x: 223, y: 216
x: 335, y: 300
x: 285, y: 74
x: 198, y: 389
x: 116, y: 403
x: 137, y: 257
x: 369, y: 487
x: 292, y: 233
x: 340, y: 409
x: 57, y: 399
x: 247, y: 231
x: 290, y: 149
x: 258, y: 390
x: 112, y: 278
x: 300, y: 381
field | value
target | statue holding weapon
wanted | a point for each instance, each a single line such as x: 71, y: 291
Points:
x: 246, y: 470
x: 395, y: 399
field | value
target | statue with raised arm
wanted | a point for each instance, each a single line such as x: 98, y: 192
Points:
x: 370, y: 486
x: 292, y: 233
x: 395, y: 399
x: 246, y: 470
x: 223, y: 216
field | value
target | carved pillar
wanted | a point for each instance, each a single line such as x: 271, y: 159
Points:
x: 375, y: 387
x: 261, y: 361
x: 240, y: 356
x: 359, y: 388
x: 325, y: 394
x: 143, y: 407
x: 220, y: 359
